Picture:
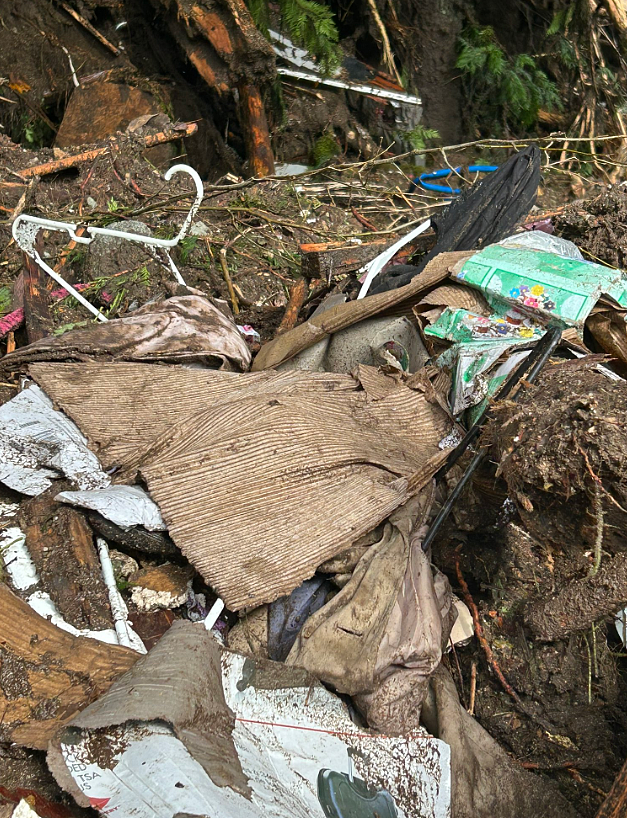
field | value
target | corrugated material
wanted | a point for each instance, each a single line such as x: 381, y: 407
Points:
x: 121, y: 408
x: 285, y: 346
x: 258, y: 492
x: 457, y: 297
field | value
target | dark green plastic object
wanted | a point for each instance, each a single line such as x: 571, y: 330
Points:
x: 341, y: 797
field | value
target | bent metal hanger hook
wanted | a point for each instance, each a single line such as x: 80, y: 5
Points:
x: 25, y: 229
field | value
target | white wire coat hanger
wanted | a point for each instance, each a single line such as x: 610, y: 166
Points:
x: 25, y: 229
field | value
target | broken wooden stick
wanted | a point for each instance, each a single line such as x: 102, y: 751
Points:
x: 229, y: 283
x: 69, y: 162
x: 60, y: 544
x: 337, y: 258
x: 298, y: 292
x: 64, y: 672
x: 88, y: 27
x: 36, y: 294
x: 256, y: 132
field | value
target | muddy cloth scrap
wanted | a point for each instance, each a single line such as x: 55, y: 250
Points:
x: 381, y: 637
x: 485, y: 781
x: 183, y: 329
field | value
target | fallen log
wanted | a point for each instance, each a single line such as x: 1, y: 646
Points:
x: 221, y: 41
x: 188, y: 129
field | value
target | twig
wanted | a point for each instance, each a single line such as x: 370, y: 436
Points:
x: 598, y: 480
x: 229, y: 283
x: 362, y: 220
x: 459, y: 671
x: 73, y: 161
x: 585, y: 639
x: 598, y: 541
x: 557, y: 765
x: 580, y: 780
x: 473, y: 688
x: 88, y: 26
x: 387, y: 49
x: 19, y: 207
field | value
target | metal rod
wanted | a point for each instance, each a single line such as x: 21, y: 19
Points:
x: 537, y: 359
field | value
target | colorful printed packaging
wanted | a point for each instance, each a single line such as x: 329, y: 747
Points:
x: 542, y: 285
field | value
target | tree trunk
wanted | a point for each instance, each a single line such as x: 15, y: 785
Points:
x: 427, y: 40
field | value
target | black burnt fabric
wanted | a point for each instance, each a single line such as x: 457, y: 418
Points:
x: 481, y: 215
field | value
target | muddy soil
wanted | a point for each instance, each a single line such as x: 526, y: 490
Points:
x: 562, y: 451
x: 538, y: 549
x: 598, y: 226
x: 262, y: 227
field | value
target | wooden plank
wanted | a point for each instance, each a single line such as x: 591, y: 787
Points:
x: 48, y: 675
x: 338, y: 258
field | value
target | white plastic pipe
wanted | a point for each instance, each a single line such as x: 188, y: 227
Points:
x: 118, y: 608
x: 213, y: 615
x: 374, y: 267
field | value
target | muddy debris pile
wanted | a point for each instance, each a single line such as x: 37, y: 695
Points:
x: 301, y: 514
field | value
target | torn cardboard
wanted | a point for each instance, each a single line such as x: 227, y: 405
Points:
x: 258, y: 492
x: 122, y: 408
x: 193, y: 729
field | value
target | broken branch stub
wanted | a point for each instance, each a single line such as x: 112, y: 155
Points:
x: 186, y: 129
x: 36, y: 309
x: 222, y: 42
x: 55, y: 674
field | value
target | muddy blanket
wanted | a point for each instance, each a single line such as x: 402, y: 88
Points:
x: 185, y: 329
